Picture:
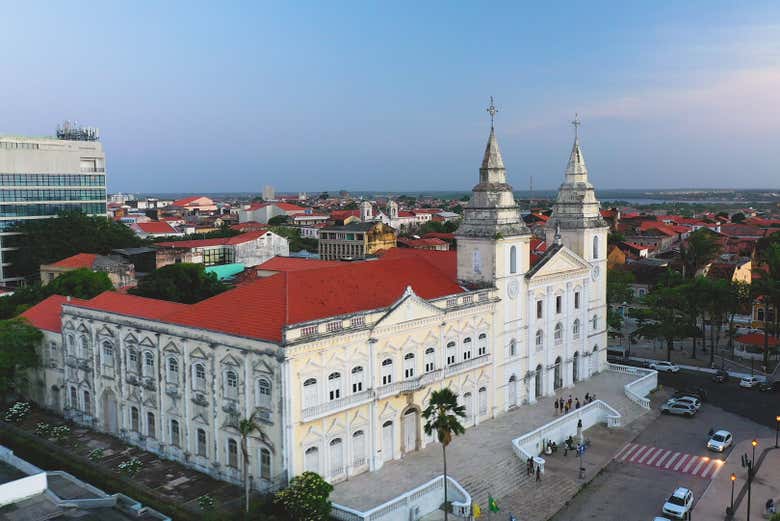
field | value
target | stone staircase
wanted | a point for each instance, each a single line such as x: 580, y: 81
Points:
x: 497, y: 480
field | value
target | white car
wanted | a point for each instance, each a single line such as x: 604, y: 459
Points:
x: 679, y: 503
x: 749, y: 382
x: 661, y: 519
x: 720, y: 441
x: 689, y: 400
x: 666, y: 367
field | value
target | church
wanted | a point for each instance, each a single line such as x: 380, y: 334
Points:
x: 336, y: 361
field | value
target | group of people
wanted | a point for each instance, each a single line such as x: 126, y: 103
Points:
x: 531, y: 467
x: 563, y: 406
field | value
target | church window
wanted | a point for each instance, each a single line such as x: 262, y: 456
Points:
x: 173, y: 370
x: 558, y: 333
x: 482, y: 349
x: 451, y: 354
x: 596, y: 247
x: 134, y: 419
x: 513, y: 347
x: 358, y: 448
x: 199, y: 382
x: 482, y: 394
x: 202, y: 443
x: 70, y: 345
x: 760, y: 315
x: 108, y: 353
x: 513, y: 259
x: 595, y: 322
x: 409, y: 365
x: 151, y: 430
x: 334, y: 386
x: 231, y: 384
x: 74, y: 400
x: 265, y: 463
x: 175, y: 433
x: 232, y: 450
x: 263, y: 393
x: 430, y: 359
x: 309, y: 392
x: 132, y: 356
x: 83, y: 347
x: 539, y: 338
x: 539, y: 307
x: 575, y: 328
x: 148, y: 363
x: 558, y: 304
x: 467, y: 348
x: 87, y: 403
x: 576, y: 300
x: 357, y: 379
x: 387, y: 371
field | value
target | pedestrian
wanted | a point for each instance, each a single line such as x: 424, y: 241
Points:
x: 568, y: 406
x: 561, y: 400
x: 569, y: 402
x: 538, y: 473
x: 577, y: 404
x: 529, y: 467
x: 556, y: 406
x: 587, y: 398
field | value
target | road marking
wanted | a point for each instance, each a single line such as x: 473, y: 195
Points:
x: 655, y: 456
x: 717, y: 469
x: 637, y: 453
x: 702, y: 462
x: 672, y: 460
x: 646, y: 454
x: 690, y: 464
x: 662, y: 458
x: 682, y: 460
x: 622, y: 452
x: 708, y: 468
x: 629, y: 452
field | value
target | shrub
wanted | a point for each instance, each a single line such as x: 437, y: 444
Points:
x: 17, y: 412
x: 131, y: 467
x: 206, y: 502
x: 306, y: 498
x: 95, y: 455
x: 60, y: 432
x: 43, y: 429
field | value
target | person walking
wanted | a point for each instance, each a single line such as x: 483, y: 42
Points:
x: 538, y: 473
x: 561, y: 407
x: 577, y: 403
x: 556, y: 406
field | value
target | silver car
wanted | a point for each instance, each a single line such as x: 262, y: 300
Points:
x: 690, y: 400
x: 681, y: 409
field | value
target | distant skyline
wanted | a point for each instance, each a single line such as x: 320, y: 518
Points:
x: 229, y: 97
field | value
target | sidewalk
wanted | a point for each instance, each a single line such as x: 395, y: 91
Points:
x: 766, y: 484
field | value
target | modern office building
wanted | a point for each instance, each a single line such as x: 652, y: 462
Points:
x: 44, y: 177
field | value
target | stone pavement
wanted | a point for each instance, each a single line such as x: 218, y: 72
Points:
x: 482, y: 460
x: 766, y: 484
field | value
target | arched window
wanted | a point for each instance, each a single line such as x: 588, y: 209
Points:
x: 108, y: 353
x: 467, y: 348
x: 310, y: 392
x: 430, y: 359
x: 409, y: 365
x: 387, y: 371
x: 336, y: 457
x: 175, y: 433
x: 71, y: 344
x: 83, y: 347
x: 148, y: 363
x: 760, y: 315
x: 513, y: 259
x: 87, y: 403
x: 132, y: 357
x: 232, y: 453
x: 358, y: 449
x: 513, y: 347
x: 357, y: 379
x: 311, y: 460
x: 595, y: 321
x: 575, y: 328
x: 199, y: 382
x: 334, y: 386
x: 482, y: 394
x: 265, y: 463
x: 558, y: 333
x: 134, y: 419
x: 539, y: 338
x: 595, y: 246
x: 482, y: 345
x: 151, y: 429
x: 231, y: 384
x: 451, y: 354
x: 173, y: 370
x: 263, y: 393
x: 74, y: 398
x: 202, y: 447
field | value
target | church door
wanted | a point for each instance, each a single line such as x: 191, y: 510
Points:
x: 110, y: 423
x: 468, y: 402
x: 538, y: 389
x: 575, y: 368
x: 512, y: 391
x: 410, y: 431
x: 387, y: 441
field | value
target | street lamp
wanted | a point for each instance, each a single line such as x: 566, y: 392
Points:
x: 777, y: 429
x: 733, y: 479
x: 754, y: 443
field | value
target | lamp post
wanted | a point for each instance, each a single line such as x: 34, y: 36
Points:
x: 733, y: 479
x: 777, y: 430
x: 752, y: 462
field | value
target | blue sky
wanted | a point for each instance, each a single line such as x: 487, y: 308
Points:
x: 230, y: 96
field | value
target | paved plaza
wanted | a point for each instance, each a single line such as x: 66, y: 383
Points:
x: 483, y: 462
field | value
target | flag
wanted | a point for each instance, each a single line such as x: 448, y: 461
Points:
x: 475, y: 510
x: 492, y: 505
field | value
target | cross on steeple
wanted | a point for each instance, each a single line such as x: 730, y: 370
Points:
x: 576, y: 124
x: 492, y: 110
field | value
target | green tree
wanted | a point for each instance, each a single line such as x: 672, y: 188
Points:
x: 43, y: 241
x: 306, y: 499
x: 185, y: 283
x: 81, y: 283
x: 738, y: 301
x: 767, y: 288
x: 442, y: 417
x: 718, y: 293
x: 699, y: 250
x: 246, y: 427
x: 663, y: 317
x: 618, y: 292
x: 19, y: 341
x: 694, y: 293
x: 738, y: 218
x: 278, y: 220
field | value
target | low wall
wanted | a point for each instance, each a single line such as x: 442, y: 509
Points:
x: 637, y: 390
x: 22, y: 488
x: 412, y: 505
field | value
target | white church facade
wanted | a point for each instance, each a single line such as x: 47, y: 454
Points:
x: 337, y: 362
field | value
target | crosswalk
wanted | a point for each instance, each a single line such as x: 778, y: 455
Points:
x: 701, y: 466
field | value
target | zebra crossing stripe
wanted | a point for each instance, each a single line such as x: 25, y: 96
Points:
x: 629, y: 452
x: 717, y: 469
x: 671, y: 460
x: 696, y: 469
x: 708, y: 468
x: 662, y: 458
x: 682, y: 460
x: 690, y: 464
x: 655, y: 456
x: 622, y: 452
x: 646, y: 454
x: 637, y: 453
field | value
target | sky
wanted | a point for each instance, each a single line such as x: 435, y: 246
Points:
x: 231, y: 96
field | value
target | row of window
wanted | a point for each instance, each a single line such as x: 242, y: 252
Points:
x: 52, y: 180
x: 558, y: 331
x: 53, y: 195
x: 13, y: 145
x: 37, y: 210
x: 558, y: 304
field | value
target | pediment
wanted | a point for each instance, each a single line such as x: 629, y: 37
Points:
x: 105, y: 331
x: 150, y: 401
x: 82, y: 329
x: 560, y: 262
x: 171, y: 347
x: 261, y: 366
x: 358, y: 420
x: 146, y: 342
x: 130, y: 339
x: 408, y: 308
x: 313, y: 436
x: 230, y: 360
x: 198, y: 353
x: 388, y: 412
x: 335, y: 428
x: 68, y: 325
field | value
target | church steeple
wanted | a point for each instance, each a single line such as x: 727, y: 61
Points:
x: 576, y: 171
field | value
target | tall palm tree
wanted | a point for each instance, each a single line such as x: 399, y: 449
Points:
x: 246, y: 427
x: 441, y: 417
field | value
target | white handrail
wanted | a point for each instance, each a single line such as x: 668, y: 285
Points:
x: 637, y: 390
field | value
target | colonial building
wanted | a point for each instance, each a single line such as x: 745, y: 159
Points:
x: 355, y: 240
x: 250, y: 249
x: 339, y: 359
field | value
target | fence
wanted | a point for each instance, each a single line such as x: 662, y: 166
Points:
x: 637, y: 390
x: 414, y: 504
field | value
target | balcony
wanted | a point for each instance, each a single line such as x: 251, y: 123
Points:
x: 409, y: 385
x: 323, y: 409
x: 92, y: 170
x: 467, y: 365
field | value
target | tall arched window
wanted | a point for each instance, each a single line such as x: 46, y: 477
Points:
x: 265, y: 463
x: 175, y: 433
x: 409, y: 365
x: 311, y: 460
x: 539, y: 338
x: 482, y: 344
x: 71, y: 345
x: 199, y: 382
x: 575, y: 328
x: 467, y: 348
x: 595, y: 246
x: 451, y: 354
x: 336, y: 457
x: 74, y: 398
x: 482, y: 394
x: 310, y: 392
x: 83, y: 347
x: 357, y: 379
x: 387, y: 371
x: 231, y: 384
x: 334, y: 386
x: 558, y: 333
x: 151, y: 429
x: 513, y: 347
x: 173, y: 370
x: 513, y: 259
x: 430, y: 359
x: 358, y: 448
x: 108, y: 353
x: 263, y: 393
x: 595, y: 321
x: 202, y: 448
x: 134, y: 419
x: 232, y: 453
x: 87, y: 403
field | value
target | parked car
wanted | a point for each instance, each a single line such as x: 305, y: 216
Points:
x: 698, y: 393
x: 666, y: 367
x: 681, y: 409
x: 720, y: 376
x: 689, y: 400
x: 769, y: 386
x: 720, y: 441
x: 679, y: 503
x: 748, y: 382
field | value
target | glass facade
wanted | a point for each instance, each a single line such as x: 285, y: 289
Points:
x: 52, y: 180
x: 40, y: 194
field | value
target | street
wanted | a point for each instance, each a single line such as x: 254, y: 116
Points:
x: 671, y: 452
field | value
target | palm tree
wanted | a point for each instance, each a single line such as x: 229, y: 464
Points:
x: 441, y: 416
x: 246, y: 427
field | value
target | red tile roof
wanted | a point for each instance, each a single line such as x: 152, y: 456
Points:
x: 287, y: 207
x: 249, y: 226
x: 440, y: 235
x: 189, y: 200
x: 446, y: 261
x: 295, y: 264
x: 47, y: 313
x: 132, y: 305
x: 219, y: 241
x: 156, y: 227
x: 80, y: 260
x: 422, y: 243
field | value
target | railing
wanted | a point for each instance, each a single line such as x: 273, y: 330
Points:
x: 310, y: 413
x: 637, y: 390
x: 466, y: 365
x: 532, y: 443
x: 422, y: 500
